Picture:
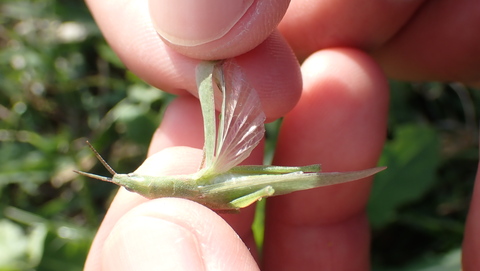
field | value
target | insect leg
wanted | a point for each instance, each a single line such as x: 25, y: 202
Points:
x: 248, y: 199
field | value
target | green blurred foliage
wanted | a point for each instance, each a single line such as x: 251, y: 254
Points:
x: 411, y: 172
x: 419, y: 204
x: 61, y: 84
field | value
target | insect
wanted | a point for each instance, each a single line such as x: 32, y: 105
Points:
x: 221, y: 184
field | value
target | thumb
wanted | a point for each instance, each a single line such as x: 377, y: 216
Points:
x: 166, y: 233
x: 215, y: 29
x: 174, y: 234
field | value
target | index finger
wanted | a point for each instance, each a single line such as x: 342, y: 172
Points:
x: 340, y: 122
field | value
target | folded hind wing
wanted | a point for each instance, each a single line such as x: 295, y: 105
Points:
x: 241, y: 125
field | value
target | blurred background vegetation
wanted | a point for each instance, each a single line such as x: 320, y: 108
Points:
x: 61, y: 84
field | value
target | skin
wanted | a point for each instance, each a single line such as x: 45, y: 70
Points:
x: 336, y: 118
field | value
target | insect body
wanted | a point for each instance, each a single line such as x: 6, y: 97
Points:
x: 221, y: 184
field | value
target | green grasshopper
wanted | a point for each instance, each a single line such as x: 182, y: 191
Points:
x: 221, y: 184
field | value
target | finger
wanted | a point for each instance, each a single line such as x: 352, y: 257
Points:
x: 310, y: 26
x: 171, y: 233
x: 163, y: 163
x: 182, y: 125
x: 215, y: 29
x: 206, y: 29
x: 340, y: 122
x: 271, y: 67
x: 429, y: 48
x: 170, y: 161
x: 471, y: 240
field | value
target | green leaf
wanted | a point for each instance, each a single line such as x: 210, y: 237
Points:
x: 144, y: 94
x: 258, y: 225
x: 412, y: 158
x: 36, y: 243
x: 13, y: 244
x: 109, y: 55
x: 21, y: 251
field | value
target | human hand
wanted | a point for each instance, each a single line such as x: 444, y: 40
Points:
x: 339, y: 122
x: 167, y: 233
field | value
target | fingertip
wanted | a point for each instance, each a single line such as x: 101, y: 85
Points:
x: 349, y: 92
x: 147, y: 243
x: 270, y: 64
x: 182, y: 125
x: 190, y: 23
x: 175, y: 234
x: 215, y: 29
x: 176, y: 160
x: 273, y: 70
x: 339, y: 122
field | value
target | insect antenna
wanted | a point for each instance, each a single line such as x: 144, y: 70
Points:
x: 94, y: 176
x: 100, y: 158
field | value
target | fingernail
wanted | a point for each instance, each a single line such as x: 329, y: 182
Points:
x: 195, y: 22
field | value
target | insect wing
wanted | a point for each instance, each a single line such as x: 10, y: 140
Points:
x: 242, y: 120
x: 285, y: 183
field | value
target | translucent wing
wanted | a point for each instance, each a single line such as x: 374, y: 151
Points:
x: 242, y: 119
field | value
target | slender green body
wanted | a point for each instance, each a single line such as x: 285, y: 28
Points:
x: 221, y: 184
x: 233, y: 189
